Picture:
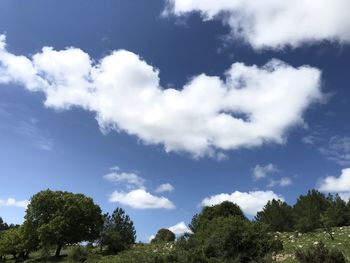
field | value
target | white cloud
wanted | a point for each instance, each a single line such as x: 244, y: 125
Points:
x: 132, y: 180
x: 201, y: 118
x: 284, y: 181
x: 345, y: 196
x: 337, y: 150
x: 250, y: 202
x: 180, y: 229
x: 165, y: 188
x: 140, y: 199
x: 261, y: 171
x: 274, y: 23
x: 334, y: 184
x: 14, y: 202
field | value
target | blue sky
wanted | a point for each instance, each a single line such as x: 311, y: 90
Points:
x: 118, y: 105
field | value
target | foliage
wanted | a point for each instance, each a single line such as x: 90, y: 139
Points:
x: 320, y: 253
x: 221, y: 233
x: 225, y: 209
x: 60, y: 218
x: 118, y: 231
x: 78, y: 254
x: 308, y: 211
x: 164, y: 235
x: 277, y: 215
x: 14, y: 241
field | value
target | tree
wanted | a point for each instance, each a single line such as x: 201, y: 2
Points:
x: 14, y: 241
x: 60, y: 218
x: 118, y: 231
x: 163, y: 235
x: 225, y: 209
x: 222, y: 234
x: 308, y: 210
x: 3, y: 225
x: 277, y: 215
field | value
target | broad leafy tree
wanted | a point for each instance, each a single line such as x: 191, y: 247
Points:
x: 278, y: 215
x: 118, y: 231
x: 164, y: 235
x: 225, y: 209
x: 60, y: 218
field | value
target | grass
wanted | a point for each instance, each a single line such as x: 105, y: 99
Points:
x: 291, y: 242
x: 294, y: 241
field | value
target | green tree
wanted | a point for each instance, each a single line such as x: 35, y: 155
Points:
x: 226, y: 236
x: 118, y: 231
x: 163, y: 235
x: 308, y: 210
x: 14, y: 241
x: 225, y: 209
x: 277, y: 215
x: 60, y: 218
x: 3, y: 225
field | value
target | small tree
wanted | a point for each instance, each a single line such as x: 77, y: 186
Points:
x: 59, y: 218
x: 225, y: 209
x: 118, y: 231
x: 163, y: 235
x: 277, y: 215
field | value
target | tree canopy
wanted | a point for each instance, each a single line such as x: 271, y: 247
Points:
x: 278, y: 215
x: 118, y: 231
x: 60, y: 218
x: 164, y: 235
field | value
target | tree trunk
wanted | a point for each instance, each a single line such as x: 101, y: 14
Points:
x: 58, y: 250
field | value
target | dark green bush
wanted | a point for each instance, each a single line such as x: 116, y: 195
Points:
x: 164, y: 235
x: 320, y: 254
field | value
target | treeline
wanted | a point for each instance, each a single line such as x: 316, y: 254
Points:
x: 311, y: 211
x: 220, y: 233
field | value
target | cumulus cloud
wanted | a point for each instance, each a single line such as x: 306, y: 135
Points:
x: 180, y: 229
x: 141, y: 199
x: 165, y: 188
x: 14, y: 202
x: 132, y: 180
x: 274, y: 23
x: 251, y: 106
x: 250, y: 202
x: 334, y: 184
x: 261, y: 171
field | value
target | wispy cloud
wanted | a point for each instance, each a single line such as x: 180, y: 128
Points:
x: 262, y: 171
x: 337, y: 149
x: 165, y: 188
x: 15, y: 119
x: 130, y: 179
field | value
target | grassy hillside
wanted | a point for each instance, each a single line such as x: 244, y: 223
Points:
x: 147, y: 253
x: 293, y: 241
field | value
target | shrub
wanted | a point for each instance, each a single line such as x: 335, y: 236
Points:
x: 164, y: 235
x: 78, y: 254
x: 320, y: 253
